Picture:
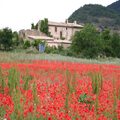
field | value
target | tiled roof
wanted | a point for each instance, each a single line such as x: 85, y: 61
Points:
x: 64, y: 24
x: 49, y: 39
x: 60, y: 41
x: 41, y: 37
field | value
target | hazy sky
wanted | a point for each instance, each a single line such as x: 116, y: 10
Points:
x: 19, y: 14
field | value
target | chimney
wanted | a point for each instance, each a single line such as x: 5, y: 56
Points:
x: 75, y: 22
x: 66, y: 21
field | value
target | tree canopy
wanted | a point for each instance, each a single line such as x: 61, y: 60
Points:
x: 91, y: 43
x: 6, y: 38
x: 87, y: 42
x: 98, y: 15
x: 44, y: 26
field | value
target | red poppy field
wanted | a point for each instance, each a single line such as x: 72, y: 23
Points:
x: 49, y: 90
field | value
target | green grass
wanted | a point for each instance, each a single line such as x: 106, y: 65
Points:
x: 24, y: 56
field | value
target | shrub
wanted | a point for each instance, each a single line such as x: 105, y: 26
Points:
x: 86, y: 42
x: 26, y: 44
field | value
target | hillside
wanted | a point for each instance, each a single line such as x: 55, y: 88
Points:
x: 115, y: 6
x: 98, y: 15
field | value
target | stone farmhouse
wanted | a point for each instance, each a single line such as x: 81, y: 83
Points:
x: 61, y: 33
x: 63, y: 30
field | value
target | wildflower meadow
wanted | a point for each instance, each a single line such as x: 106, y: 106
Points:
x: 54, y: 90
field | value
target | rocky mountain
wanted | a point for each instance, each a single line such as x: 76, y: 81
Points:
x: 98, y: 15
x: 115, y: 6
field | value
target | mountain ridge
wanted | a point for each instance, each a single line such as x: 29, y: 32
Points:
x: 115, y: 6
x: 98, y: 15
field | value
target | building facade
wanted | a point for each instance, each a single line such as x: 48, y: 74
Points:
x: 62, y: 31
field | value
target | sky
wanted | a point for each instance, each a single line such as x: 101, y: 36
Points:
x: 19, y: 14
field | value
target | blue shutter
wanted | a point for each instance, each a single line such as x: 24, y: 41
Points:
x: 41, y: 48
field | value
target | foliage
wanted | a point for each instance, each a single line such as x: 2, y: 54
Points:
x: 97, y: 15
x: 50, y: 49
x: 34, y: 26
x: 9, y: 40
x: 105, y: 38
x: 54, y: 49
x: 44, y: 26
x: 6, y: 39
x: 26, y: 44
x: 87, y: 42
x: 90, y: 43
x: 36, y: 43
x: 115, y: 6
x: 26, y: 79
x: 53, y: 90
x: 2, y: 81
x: 69, y: 52
x: 97, y: 82
x: 15, y: 39
x: 84, y: 98
x: 13, y: 80
x: 115, y: 44
x: 110, y: 43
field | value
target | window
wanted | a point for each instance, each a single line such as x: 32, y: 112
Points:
x: 61, y: 35
x: 55, y: 29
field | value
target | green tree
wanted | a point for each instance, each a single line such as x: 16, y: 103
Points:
x: 115, y: 43
x: 26, y: 44
x: 44, y: 26
x: 105, y: 37
x: 87, y: 42
x: 6, y: 36
x: 32, y: 26
x: 36, y: 26
x: 36, y: 43
x: 0, y: 39
x: 15, y: 39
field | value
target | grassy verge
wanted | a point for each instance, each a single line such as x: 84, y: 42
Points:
x: 23, y: 56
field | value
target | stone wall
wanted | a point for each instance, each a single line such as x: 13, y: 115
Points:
x: 67, y: 32
x: 25, y: 33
